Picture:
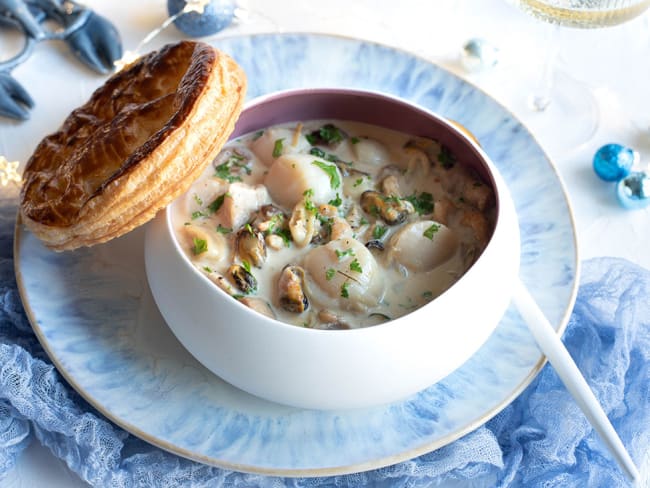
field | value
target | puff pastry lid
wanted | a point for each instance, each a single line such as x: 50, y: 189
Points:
x: 138, y: 143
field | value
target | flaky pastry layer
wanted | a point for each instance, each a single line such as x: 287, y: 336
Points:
x: 138, y: 143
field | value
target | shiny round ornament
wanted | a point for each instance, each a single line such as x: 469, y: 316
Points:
x: 633, y: 191
x: 479, y: 55
x: 202, y: 17
x: 614, y: 161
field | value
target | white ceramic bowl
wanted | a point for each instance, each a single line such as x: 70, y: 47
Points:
x: 339, y: 369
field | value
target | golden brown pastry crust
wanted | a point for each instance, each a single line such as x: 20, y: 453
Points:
x: 138, y: 143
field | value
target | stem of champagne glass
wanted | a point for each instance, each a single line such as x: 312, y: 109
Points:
x: 540, y: 99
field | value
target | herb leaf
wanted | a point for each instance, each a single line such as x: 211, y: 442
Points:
x: 200, y: 246
x: 423, y: 204
x: 356, y: 266
x: 431, y: 231
x: 277, y: 148
x: 329, y: 274
x: 342, y: 254
x: 344, y: 290
x: 379, y: 231
x: 446, y: 157
x: 246, y: 265
x: 336, y: 201
x: 223, y: 230
x: 331, y: 171
x: 328, y: 135
x: 217, y: 203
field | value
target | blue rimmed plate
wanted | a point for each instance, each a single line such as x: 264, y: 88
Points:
x: 93, y: 312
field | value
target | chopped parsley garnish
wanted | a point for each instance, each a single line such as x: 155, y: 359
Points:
x: 329, y: 134
x: 277, y: 148
x: 423, y: 203
x: 318, y: 152
x: 258, y: 134
x: 342, y: 254
x: 430, y: 231
x: 197, y: 214
x: 200, y: 246
x: 331, y: 171
x: 344, y: 290
x: 356, y: 266
x: 363, y: 221
x: 232, y: 164
x: 336, y: 201
x: 357, y: 182
x: 249, y: 229
x: 286, y: 236
x: 427, y: 294
x: 329, y: 274
x: 198, y: 200
x: 246, y: 265
x: 309, y: 205
x: 207, y: 269
x: 446, y: 158
x: 217, y: 203
x: 332, y: 158
x: 354, y: 140
x: 223, y: 230
x: 379, y: 231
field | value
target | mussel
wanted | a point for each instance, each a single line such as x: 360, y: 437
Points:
x: 291, y: 289
x: 251, y: 246
x: 393, y: 210
x: 244, y: 280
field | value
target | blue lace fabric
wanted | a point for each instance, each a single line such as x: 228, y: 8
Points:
x: 540, y: 440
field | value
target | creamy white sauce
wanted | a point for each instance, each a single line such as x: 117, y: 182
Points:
x: 419, y: 260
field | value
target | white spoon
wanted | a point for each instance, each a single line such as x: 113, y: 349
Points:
x: 553, y: 348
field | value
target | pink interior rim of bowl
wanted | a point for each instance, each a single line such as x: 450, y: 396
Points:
x: 361, y: 106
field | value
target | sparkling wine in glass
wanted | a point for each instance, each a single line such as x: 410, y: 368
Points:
x: 569, y: 99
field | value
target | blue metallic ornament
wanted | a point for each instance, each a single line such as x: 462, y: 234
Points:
x: 614, y: 161
x: 216, y: 16
x: 633, y: 191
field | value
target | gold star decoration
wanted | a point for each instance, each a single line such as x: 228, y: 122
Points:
x: 9, y: 172
x: 197, y: 6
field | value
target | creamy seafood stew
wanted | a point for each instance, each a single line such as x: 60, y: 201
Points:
x: 334, y: 224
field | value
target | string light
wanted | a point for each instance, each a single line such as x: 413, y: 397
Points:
x: 129, y: 57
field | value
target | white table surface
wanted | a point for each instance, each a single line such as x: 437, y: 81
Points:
x: 613, y: 62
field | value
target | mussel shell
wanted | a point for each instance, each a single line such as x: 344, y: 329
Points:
x: 244, y: 280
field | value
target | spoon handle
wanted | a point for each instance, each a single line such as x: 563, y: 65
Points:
x: 553, y: 348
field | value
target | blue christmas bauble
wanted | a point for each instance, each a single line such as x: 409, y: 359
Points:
x: 633, y: 191
x: 613, y: 162
x: 217, y: 15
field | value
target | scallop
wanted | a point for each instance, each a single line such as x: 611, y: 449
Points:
x: 344, y: 273
x: 371, y: 152
x: 292, y: 175
x: 268, y: 149
x: 203, y: 192
x: 205, y: 248
x: 423, y: 245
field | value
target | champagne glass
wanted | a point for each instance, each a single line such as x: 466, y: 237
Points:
x: 563, y: 103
